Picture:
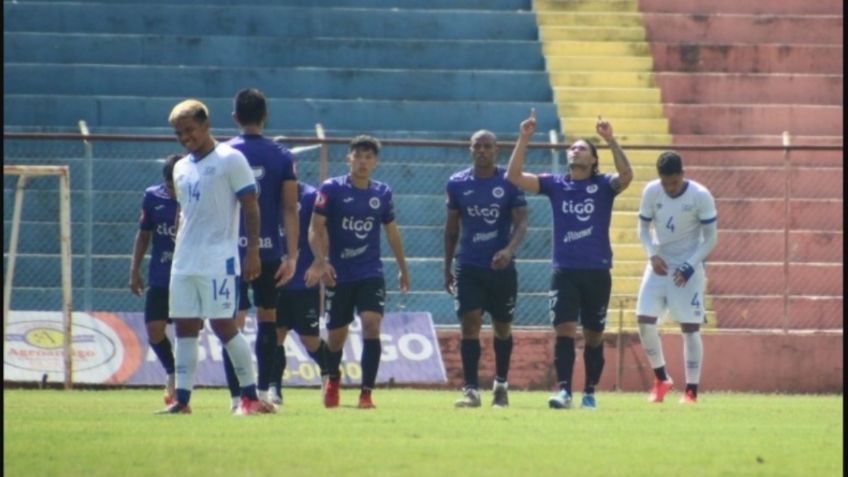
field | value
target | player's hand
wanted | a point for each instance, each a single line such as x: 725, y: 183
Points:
x: 252, y: 266
x: 682, y: 274
x: 403, y: 281
x: 502, y: 259
x: 286, y: 271
x: 528, y: 126
x: 320, y: 272
x: 604, y: 129
x: 136, y: 283
x: 449, y: 282
x: 659, y: 266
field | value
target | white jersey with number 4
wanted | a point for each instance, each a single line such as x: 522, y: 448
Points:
x: 207, y: 191
x: 677, y: 220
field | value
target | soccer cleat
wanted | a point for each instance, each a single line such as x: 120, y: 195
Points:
x: 659, y: 389
x: 500, y: 398
x: 689, y: 397
x: 365, y: 401
x: 175, y: 408
x: 470, y: 398
x: 170, y: 396
x: 560, y: 400
x: 249, y: 407
x: 588, y: 402
x: 331, y: 392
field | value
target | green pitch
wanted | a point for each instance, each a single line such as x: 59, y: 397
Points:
x: 412, y: 432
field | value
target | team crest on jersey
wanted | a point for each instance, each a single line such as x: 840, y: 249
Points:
x: 688, y: 207
x: 374, y: 202
x: 498, y: 192
x: 592, y: 188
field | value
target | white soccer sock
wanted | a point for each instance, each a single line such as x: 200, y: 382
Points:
x: 693, y: 355
x: 652, y: 345
x: 239, y: 352
x: 185, y: 362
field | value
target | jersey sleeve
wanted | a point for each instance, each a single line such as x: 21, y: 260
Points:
x: 517, y: 197
x: 546, y: 183
x: 145, y: 219
x: 323, y: 200
x: 240, y: 175
x: 388, y: 215
x: 289, y: 168
x: 450, y: 196
x: 707, y: 212
x: 646, y: 212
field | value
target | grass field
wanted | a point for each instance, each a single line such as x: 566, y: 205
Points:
x: 414, y: 432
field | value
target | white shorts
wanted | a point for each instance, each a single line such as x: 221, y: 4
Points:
x: 659, y: 293
x: 196, y: 296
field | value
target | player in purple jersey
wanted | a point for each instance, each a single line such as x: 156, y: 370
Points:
x: 273, y: 168
x: 344, y: 236
x: 157, y: 222
x: 581, y: 202
x: 298, y: 306
x: 488, y: 216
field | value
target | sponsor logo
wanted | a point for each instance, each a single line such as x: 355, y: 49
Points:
x: 264, y: 242
x: 347, y: 200
x: 166, y: 230
x: 258, y: 172
x: 166, y: 257
x: 571, y: 235
x: 498, y: 192
x: 374, y: 202
x: 159, y: 207
x: 489, y: 214
x: 468, y: 192
x: 483, y: 237
x: 592, y: 188
x: 583, y: 210
x: 353, y: 252
x: 360, y: 228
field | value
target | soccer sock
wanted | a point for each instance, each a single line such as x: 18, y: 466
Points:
x: 693, y: 355
x: 503, y: 352
x: 650, y: 338
x: 320, y: 356
x: 266, y: 342
x: 370, y: 362
x: 185, y: 367
x: 165, y: 354
x: 230, y: 373
x: 334, y: 360
x: 469, y: 349
x: 279, y: 367
x: 564, y: 361
x: 239, y: 351
x: 593, y: 359
x: 693, y: 388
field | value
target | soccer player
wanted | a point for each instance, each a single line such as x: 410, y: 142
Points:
x: 684, y: 216
x: 298, y: 306
x: 273, y: 168
x: 158, y: 216
x: 581, y: 202
x: 344, y: 236
x: 212, y: 184
x: 488, y: 216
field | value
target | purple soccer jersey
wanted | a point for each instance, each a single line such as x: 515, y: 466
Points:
x: 485, y: 213
x: 582, y: 211
x: 158, y: 215
x: 354, y: 217
x: 272, y: 164
x: 306, y: 202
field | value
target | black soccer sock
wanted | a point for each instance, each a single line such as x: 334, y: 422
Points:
x: 564, y: 361
x: 469, y: 349
x: 334, y: 360
x: 593, y: 358
x: 266, y: 342
x: 230, y: 372
x: 370, y: 362
x: 660, y: 373
x: 279, y: 367
x: 693, y: 388
x: 503, y: 352
x: 165, y: 354
x: 320, y: 356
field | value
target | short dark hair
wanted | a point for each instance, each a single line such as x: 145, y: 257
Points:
x: 669, y: 164
x: 250, y: 106
x: 168, y: 167
x: 365, y: 142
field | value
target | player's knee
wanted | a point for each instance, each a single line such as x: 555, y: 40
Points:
x: 567, y: 329
x: 593, y: 338
x: 311, y: 343
x: 188, y: 327
x: 371, y: 325
x: 690, y: 327
x: 646, y: 320
x: 502, y: 330
x: 224, y: 329
x: 156, y: 331
x: 282, y: 332
x: 471, y: 323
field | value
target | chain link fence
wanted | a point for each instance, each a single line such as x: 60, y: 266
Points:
x: 778, y: 263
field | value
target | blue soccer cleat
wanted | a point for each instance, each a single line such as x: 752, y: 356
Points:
x: 588, y: 402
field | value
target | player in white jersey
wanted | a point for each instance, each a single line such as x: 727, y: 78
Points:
x: 684, y: 216
x: 212, y: 184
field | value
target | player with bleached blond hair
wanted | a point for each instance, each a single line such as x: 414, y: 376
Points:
x: 683, y: 215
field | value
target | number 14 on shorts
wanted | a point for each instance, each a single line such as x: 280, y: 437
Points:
x: 220, y: 290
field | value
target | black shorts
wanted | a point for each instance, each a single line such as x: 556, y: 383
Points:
x: 580, y: 294
x: 156, y: 305
x: 264, y: 287
x: 340, y: 302
x: 299, y: 310
x: 493, y: 291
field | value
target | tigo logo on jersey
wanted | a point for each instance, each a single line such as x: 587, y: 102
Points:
x: 374, y: 202
x: 360, y: 228
x: 583, y: 210
x: 490, y: 214
x: 498, y: 192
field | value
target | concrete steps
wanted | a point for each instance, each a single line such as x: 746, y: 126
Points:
x: 748, y: 58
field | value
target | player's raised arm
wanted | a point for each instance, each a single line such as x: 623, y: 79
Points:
x: 624, y: 176
x: 396, y: 244
x: 515, y: 171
